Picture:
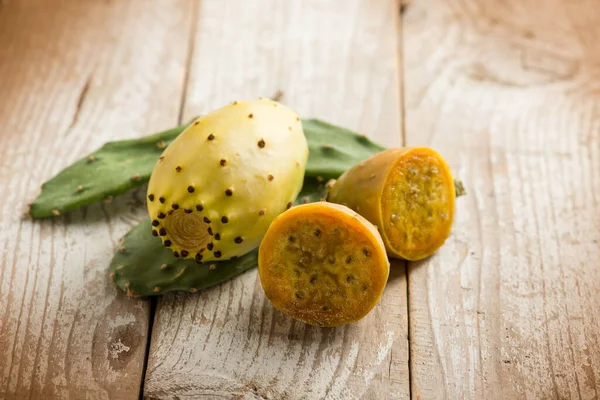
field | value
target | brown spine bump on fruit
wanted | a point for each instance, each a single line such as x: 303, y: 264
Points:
x: 262, y: 212
x: 289, y: 205
x: 211, y: 137
x: 191, y: 189
x: 270, y: 177
x: 151, y: 197
x: 178, y: 168
x: 223, y: 162
x: 238, y: 240
x: 175, y: 206
x: 229, y: 192
x: 261, y: 143
x: 250, y: 115
x: 162, y: 200
x: 161, y: 158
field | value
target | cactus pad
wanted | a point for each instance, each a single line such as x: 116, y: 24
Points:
x: 111, y: 170
x: 408, y: 193
x: 323, y: 264
x: 143, y: 267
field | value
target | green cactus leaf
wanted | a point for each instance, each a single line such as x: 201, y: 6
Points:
x: 121, y: 165
x: 142, y: 266
x: 111, y: 170
x: 334, y: 149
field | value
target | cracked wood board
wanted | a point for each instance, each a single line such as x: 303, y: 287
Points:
x: 74, y: 75
x: 510, y: 306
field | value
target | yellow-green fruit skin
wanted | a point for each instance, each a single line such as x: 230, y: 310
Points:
x: 217, y: 187
x: 408, y: 193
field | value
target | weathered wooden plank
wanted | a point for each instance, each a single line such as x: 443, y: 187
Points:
x: 73, y: 75
x: 508, y: 92
x: 335, y: 60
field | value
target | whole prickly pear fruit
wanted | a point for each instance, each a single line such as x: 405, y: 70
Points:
x: 408, y: 193
x: 217, y: 187
x: 323, y: 264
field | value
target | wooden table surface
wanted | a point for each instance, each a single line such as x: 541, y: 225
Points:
x: 508, y: 91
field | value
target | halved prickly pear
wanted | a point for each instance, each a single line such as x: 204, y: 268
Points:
x: 408, y: 193
x: 218, y: 186
x: 323, y: 264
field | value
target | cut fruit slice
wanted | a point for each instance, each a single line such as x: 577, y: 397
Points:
x: 408, y: 193
x: 323, y: 264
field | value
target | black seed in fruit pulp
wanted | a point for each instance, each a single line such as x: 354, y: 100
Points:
x: 155, y: 222
x: 184, y: 253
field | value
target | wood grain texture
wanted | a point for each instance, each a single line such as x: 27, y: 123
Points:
x: 73, y: 75
x: 336, y: 60
x: 509, y: 92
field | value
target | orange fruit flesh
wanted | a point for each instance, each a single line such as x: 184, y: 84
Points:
x: 324, y: 267
x: 418, y: 204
